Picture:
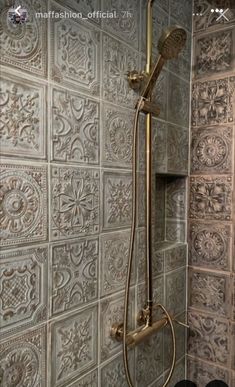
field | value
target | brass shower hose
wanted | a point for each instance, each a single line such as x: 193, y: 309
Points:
x: 130, y: 254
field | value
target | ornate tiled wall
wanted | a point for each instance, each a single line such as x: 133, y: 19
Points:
x: 211, y: 342
x: 66, y: 152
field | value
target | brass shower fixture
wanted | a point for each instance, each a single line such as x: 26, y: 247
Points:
x: 170, y: 44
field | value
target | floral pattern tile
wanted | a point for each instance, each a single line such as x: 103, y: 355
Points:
x: 23, y: 288
x: 117, y: 136
x: 113, y: 263
x: 23, y: 117
x: 214, y: 53
x: 111, y: 312
x: 126, y: 24
x: 157, y: 261
x: 211, y: 197
x: 74, y: 128
x: 175, y: 231
x: 178, y: 101
x: 23, y: 359
x: 84, y: 6
x: 208, y: 20
x: 118, y: 59
x: 209, y: 338
x: 175, y: 257
x: 181, y: 11
x: 212, y: 102
x: 149, y: 360
x: 176, y: 198
x: 180, y: 343
x: 117, y: 200
x: 23, y: 214
x: 209, y: 245
x: 24, y: 46
x: 90, y: 380
x: 159, y: 152
x: 210, y: 292
x: 176, y: 291
x: 74, y: 202
x: 75, y: 54
x: 113, y: 374
x: 74, y: 346
x: 201, y: 372
x: 73, y: 274
x: 178, y: 374
x: 177, y: 150
x: 211, y: 149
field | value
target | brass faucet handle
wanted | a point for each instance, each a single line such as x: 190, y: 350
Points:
x: 181, y: 323
x: 135, y: 79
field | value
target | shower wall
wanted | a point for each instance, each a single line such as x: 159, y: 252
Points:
x: 66, y: 143
x: 211, y: 343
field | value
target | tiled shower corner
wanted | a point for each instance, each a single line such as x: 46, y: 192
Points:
x: 66, y: 144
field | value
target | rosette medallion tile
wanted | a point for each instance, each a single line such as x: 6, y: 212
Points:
x: 24, y: 45
x: 23, y: 193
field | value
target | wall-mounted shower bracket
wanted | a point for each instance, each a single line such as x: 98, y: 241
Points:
x: 136, y: 79
x: 149, y: 107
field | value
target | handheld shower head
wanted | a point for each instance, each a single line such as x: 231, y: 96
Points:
x: 170, y: 44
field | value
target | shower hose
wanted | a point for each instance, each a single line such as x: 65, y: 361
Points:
x: 129, y: 266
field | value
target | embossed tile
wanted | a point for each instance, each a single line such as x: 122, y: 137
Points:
x: 211, y: 197
x: 157, y: 260
x: 23, y: 288
x: 23, y: 359
x: 209, y: 245
x: 159, y: 96
x: 90, y: 380
x: 201, y: 372
x: 117, y: 200
x: 177, y: 149
x: 113, y: 374
x: 212, y: 101
x: 111, y: 312
x: 24, y: 46
x: 178, y: 101
x: 233, y: 296
x: 160, y: 22
x: 84, y: 6
x: 209, y: 20
x: 75, y: 54
x: 211, y: 150
x: 160, y: 131
x: 74, y: 202
x: 23, y: 193
x: 182, y: 11
x: 113, y: 263
x: 182, y: 64
x: 209, y: 338
x: 118, y: 59
x: 175, y: 257
x: 233, y: 345
x: 214, y: 53
x: 74, y: 128
x: 126, y: 24
x: 73, y: 274
x: 141, y: 199
x: 180, y: 343
x: 175, y: 231
x: 23, y: 117
x: 176, y: 198
x: 74, y: 346
x: 149, y: 360
x: 210, y: 292
x: 117, y: 137
x: 176, y: 291
x: 178, y: 374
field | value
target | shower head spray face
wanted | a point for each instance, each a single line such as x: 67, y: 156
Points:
x: 171, y: 42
